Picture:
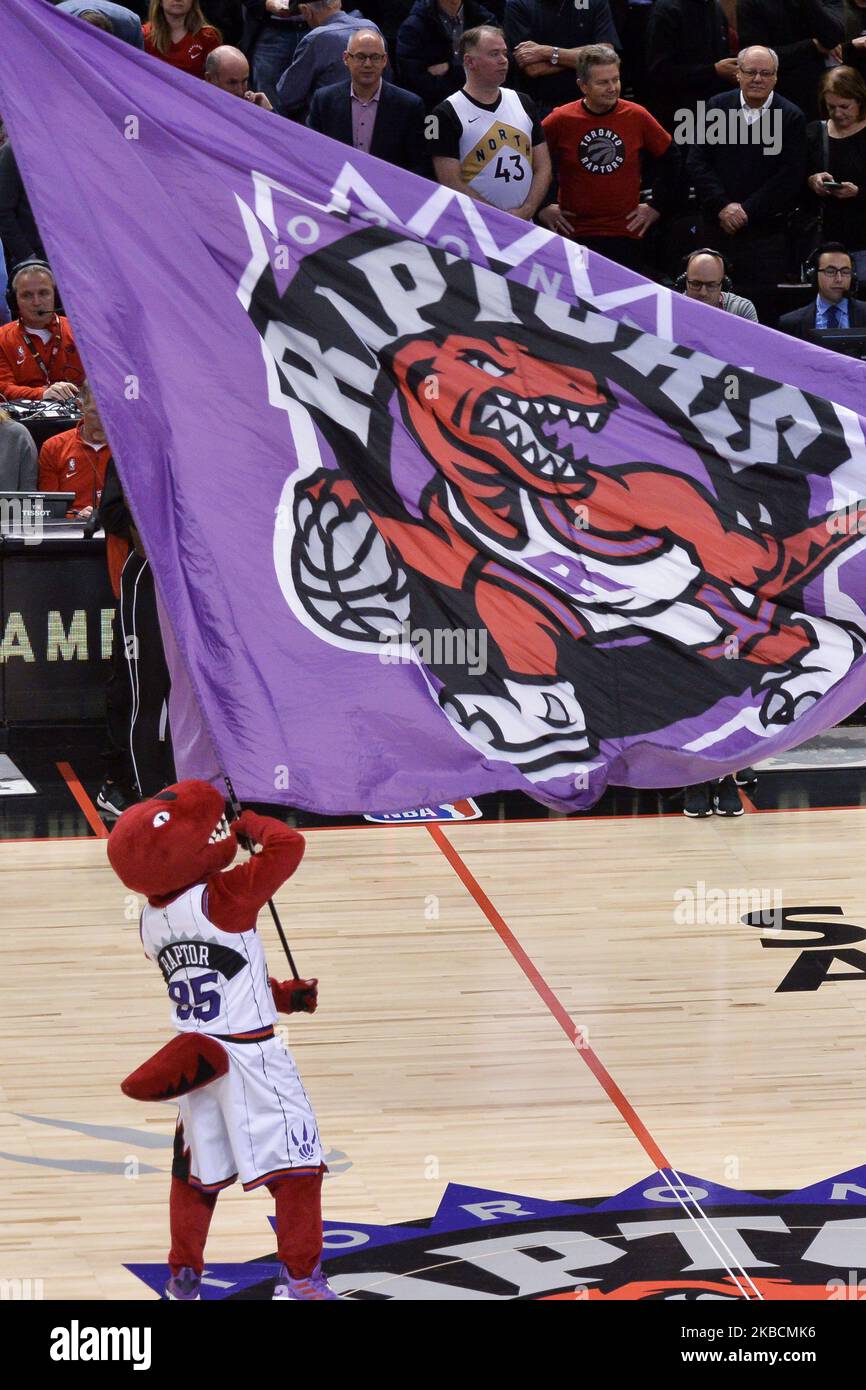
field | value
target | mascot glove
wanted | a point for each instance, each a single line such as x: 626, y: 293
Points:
x: 248, y: 827
x: 295, y: 996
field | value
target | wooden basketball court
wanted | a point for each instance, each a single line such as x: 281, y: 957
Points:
x: 532, y: 1007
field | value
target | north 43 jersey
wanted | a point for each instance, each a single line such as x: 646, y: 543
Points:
x: 496, y: 148
x: 217, y: 981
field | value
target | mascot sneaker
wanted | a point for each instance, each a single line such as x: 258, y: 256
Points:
x: 184, y: 1287
x: 308, y: 1290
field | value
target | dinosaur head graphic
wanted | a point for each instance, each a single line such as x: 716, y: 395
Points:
x: 488, y: 408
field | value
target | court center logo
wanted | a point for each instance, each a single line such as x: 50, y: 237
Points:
x: 641, y: 1245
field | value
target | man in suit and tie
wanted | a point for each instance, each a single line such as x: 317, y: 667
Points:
x: 832, y: 274
x: 369, y: 113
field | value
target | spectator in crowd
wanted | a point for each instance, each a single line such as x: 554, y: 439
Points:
x: 136, y: 7
x: 487, y: 141
x: 689, y: 56
x: 388, y: 15
x: 596, y: 144
x: 228, y: 69
x: 632, y: 19
x: 18, y: 231
x: 855, y: 20
x: 18, y: 467
x: 75, y: 461
x: 833, y: 276
x: 97, y: 20
x: 546, y: 37
x: 177, y: 33
x: 124, y: 24
x: 272, y: 31
x: 836, y: 154
x: 705, y: 278
x: 854, y: 48
x: 227, y: 17
x: 369, y: 113
x: 428, y: 46
x: 38, y: 356
x: 748, y: 184
x: 803, y: 33
x: 318, y: 60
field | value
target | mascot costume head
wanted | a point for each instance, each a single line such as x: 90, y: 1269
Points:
x: 158, y: 848
x: 177, y: 838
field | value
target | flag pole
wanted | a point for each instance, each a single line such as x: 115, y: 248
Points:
x: 246, y: 844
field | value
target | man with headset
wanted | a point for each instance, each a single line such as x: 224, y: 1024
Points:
x: 830, y: 271
x: 705, y: 278
x: 38, y: 356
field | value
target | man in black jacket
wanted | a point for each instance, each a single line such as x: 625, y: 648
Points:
x: 370, y: 114
x: 546, y: 36
x: 747, y: 164
x: 18, y: 231
x: 427, y: 57
x: 632, y: 19
x: 803, y: 33
x: 688, y: 56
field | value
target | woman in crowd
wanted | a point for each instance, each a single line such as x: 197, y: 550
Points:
x: 837, y: 155
x: 178, y: 32
x: 18, y: 466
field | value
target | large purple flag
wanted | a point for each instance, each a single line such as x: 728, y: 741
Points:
x: 437, y: 502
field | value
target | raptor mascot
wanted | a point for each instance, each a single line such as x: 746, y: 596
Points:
x: 243, y: 1111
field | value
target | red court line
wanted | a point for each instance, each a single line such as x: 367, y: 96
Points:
x: 86, y: 805
x: 542, y: 988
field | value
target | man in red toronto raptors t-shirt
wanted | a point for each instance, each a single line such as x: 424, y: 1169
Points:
x: 597, y: 144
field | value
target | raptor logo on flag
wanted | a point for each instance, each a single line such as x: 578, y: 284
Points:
x: 513, y: 520
x: 642, y: 529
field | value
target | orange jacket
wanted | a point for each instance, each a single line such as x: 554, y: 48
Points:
x: 67, y: 464
x: 21, y: 376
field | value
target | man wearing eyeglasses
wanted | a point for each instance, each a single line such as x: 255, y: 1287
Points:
x: 705, y: 278
x: 833, y: 305
x: 804, y: 33
x: 747, y: 165
x: 318, y: 60
x: 369, y: 113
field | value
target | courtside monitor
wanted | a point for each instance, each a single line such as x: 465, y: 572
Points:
x: 851, y: 341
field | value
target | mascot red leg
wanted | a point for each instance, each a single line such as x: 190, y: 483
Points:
x: 243, y: 1112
